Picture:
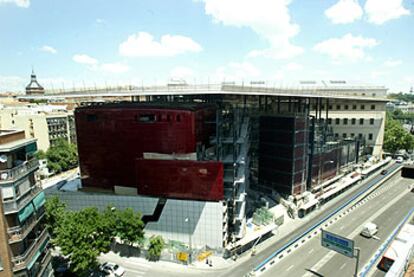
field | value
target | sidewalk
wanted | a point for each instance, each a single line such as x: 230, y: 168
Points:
x: 49, y: 182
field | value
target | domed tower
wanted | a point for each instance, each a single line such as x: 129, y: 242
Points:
x: 34, y: 87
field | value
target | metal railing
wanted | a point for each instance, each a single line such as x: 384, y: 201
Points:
x: 369, y: 92
x: 18, y: 233
x: 13, y: 174
x: 15, y: 205
x: 23, y: 260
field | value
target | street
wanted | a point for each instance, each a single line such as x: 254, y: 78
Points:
x: 386, y: 210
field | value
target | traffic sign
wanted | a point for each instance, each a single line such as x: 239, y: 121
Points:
x: 337, y: 243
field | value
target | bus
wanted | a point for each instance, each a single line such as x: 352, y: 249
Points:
x: 400, y: 250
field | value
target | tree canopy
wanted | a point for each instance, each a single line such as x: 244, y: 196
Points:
x: 62, y: 156
x: 396, y: 137
x: 83, y: 235
x: 155, y: 248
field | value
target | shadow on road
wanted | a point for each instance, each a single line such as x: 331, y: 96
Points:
x: 314, y: 273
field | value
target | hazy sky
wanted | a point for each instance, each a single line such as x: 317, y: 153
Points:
x: 83, y: 43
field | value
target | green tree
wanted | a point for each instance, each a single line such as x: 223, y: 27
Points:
x: 83, y: 236
x: 130, y: 227
x: 55, y: 211
x: 40, y: 155
x: 396, y: 137
x: 155, y: 248
x: 62, y: 156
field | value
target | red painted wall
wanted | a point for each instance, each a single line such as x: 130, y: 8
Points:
x: 198, y: 180
x: 111, y: 137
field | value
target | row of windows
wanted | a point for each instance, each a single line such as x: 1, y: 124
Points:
x: 353, y: 121
x: 352, y: 135
x: 345, y: 107
x: 146, y: 118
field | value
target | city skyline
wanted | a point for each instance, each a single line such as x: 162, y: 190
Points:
x: 94, y: 43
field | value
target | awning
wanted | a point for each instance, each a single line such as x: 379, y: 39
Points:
x: 39, y: 200
x: 31, y: 148
x: 25, y: 212
x: 33, y: 261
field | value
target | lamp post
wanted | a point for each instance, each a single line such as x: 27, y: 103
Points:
x: 187, y: 220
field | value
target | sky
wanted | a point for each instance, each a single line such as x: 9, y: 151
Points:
x: 87, y: 43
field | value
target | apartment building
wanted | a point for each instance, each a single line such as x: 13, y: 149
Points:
x: 23, y: 235
x: 46, y: 123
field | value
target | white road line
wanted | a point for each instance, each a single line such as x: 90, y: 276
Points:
x: 342, y: 266
x: 290, y: 267
x: 310, y: 251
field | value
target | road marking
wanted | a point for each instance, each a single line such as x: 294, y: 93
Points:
x: 331, y: 253
x: 310, y: 251
x: 375, y: 237
x: 342, y: 266
x: 290, y: 267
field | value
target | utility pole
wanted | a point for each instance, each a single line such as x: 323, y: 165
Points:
x: 357, y: 250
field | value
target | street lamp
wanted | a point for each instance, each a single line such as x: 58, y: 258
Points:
x: 187, y: 220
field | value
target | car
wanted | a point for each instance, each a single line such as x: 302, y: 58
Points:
x: 112, y: 268
x: 369, y: 230
x: 399, y: 160
x: 384, y: 172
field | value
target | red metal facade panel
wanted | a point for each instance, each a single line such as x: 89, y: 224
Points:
x: 197, y: 180
x: 110, y: 139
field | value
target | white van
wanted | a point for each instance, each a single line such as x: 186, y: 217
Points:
x: 369, y: 230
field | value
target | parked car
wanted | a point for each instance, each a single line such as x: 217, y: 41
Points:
x: 369, y: 230
x: 384, y: 172
x: 399, y: 160
x: 112, y: 268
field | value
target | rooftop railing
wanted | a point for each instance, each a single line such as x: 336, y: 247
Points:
x: 13, y: 174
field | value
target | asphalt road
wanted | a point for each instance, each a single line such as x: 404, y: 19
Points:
x: 390, y: 205
x: 251, y: 263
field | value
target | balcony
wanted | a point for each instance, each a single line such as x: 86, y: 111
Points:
x: 32, y: 253
x: 12, y: 206
x: 18, y: 233
x: 14, y: 174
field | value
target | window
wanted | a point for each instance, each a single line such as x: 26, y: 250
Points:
x: 354, y: 107
x: 313, y: 107
x: 345, y: 121
x: 330, y: 107
x: 336, y: 135
x: 346, y: 107
x: 146, y: 118
x: 338, y: 107
x: 360, y: 136
x: 372, y: 107
x: 352, y: 135
x: 370, y: 136
x: 337, y: 121
x: 344, y: 135
x: 361, y: 121
x: 91, y: 117
x: 353, y: 121
x: 362, y: 107
x: 329, y: 121
x: 371, y: 121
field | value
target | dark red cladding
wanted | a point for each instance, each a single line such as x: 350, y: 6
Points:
x: 112, y: 136
x: 199, y: 180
